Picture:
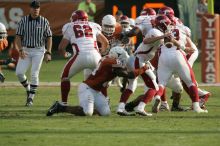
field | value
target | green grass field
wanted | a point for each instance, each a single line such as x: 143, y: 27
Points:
x: 23, y: 126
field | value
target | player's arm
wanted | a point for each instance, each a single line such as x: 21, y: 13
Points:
x: 133, y: 32
x: 149, y: 40
x: 62, y: 47
x: 49, y: 47
x: 131, y: 75
x: 22, y: 53
x: 104, y: 42
x: 190, y: 46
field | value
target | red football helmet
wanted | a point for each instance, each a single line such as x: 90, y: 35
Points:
x: 124, y: 21
x: 166, y: 11
x: 148, y: 11
x: 172, y: 19
x: 162, y: 22
x: 79, y: 15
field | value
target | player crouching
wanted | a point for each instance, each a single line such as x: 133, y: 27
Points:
x: 90, y: 91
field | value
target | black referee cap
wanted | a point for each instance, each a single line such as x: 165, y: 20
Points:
x: 35, y: 4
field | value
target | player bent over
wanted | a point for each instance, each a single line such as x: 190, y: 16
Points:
x: 90, y: 91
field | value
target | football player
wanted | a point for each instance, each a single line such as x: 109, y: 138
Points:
x: 172, y: 60
x: 191, y: 57
x: 89, y: 92
x: 83, y: 36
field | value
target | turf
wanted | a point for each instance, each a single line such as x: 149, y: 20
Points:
x: 23, y: 126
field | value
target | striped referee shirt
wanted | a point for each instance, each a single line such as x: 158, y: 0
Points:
x: 33, y: 32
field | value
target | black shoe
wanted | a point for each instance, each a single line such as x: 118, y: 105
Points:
x: 178, y: 109
x: 55, y: 108
x: 129, y: 107
x: 29, y: 102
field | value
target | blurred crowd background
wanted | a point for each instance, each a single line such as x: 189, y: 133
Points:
x: 58, y: 12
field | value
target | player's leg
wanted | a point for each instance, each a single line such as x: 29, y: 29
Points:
x: 149, y: 79
x: 59, y: 107
x: 36, y: 61
x: 72, y: 67
x: 86, y: 99
x: 175, y: 85
x: 132, y: 85
x: 102, y: 104
x: 164, y: 73
x: 21, y: 69
x: 186, y: 73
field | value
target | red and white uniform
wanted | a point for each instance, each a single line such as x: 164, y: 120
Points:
x: 146, y: 52
x: 173, y: 60
x: 145, y: 23
x: 82, y: 36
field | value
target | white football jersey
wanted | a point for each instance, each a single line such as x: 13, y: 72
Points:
x: 147, y: 51
x: 82, y: 35
x: 179, y: 33
x: 144, y: 23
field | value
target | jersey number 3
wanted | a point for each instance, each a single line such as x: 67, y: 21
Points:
x: 82, y: 31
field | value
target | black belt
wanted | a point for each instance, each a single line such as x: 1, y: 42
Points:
x: 30, y: 47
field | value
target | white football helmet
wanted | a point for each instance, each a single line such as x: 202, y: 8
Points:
x: 3, y: 31
x: 119, y: 53
x: 108, y: 25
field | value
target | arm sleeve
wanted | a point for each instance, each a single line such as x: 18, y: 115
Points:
x: 48, y: 32
x: 20, y: 29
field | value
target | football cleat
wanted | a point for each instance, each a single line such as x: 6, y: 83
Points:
x: 164, y: 107
x: 124, y: 113
x: 29, y: 102
x: 178, y: 109
x: 197, y: 109
x: 155, y: 108
x: 200, y: 111
x: 55, y: 108
x: 129, y: 107
x: 203, y: 99
x: 142, y: 112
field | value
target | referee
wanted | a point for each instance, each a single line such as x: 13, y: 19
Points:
x: 32, y: 34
